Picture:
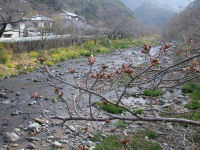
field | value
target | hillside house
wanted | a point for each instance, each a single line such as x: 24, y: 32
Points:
x: 70, y: 16
x: 41, y: 21
x: 14, y: 30
x: 28, y: 27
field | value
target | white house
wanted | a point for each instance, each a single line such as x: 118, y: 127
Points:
x: 41, y: 21
x: 14, y: 30
x: 68, y: 15
x: 27, y: 27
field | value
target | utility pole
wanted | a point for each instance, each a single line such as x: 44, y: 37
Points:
x: 84, y: 18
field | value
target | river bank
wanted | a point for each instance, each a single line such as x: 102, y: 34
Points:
x: 13, y: 63
x: 23, y: 116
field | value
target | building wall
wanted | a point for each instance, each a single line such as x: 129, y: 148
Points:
x: 16, y: 31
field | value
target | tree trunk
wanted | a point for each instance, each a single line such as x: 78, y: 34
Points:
x: 2, y: 29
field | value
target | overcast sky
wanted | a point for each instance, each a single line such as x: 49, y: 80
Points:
x: 176, y: 5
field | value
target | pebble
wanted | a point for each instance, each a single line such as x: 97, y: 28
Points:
x: 17, y: 94
x: 57, y: 144
x: 14, y: 145
x: 72, y: 128
x: 16, y: 130
x: 92, y: 148
x: 11, y: 137
x: 33, y: 127
x: 3, y: 95
x: 31, y: 146
x: 17, y: 112
x: 6, y: 102
x: 40, y: 121
x: 32, y: 103
x: 31, y: 139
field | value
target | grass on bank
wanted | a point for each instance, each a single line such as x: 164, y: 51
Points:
x: 154, y: 93
x: 13, y: 63
x: 110, y: 108
x: 193, y: 90
x: 136, y: 142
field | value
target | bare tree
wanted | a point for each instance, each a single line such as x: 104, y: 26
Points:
x: 107, y: 85
x: 185, y: 25
x: 11, y: 12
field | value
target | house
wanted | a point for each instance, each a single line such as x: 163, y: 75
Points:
x: 15, y: 30
x: 69, y: 16
x: 27, y: 27
x: 41, y: 21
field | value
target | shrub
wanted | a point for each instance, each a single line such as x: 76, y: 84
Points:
x: 62, y: 58
x: 4, y: 70
x: 110, y: 143
x: 2, y: 45
x: 105, y: 42
x: 50, y: 63
x: 3, y: 57
x: 154, y: 93
x: 138, y: 142
x: 143, y: 144
x: 54, y: 51
x: 19, y: 66
x: 102, y: 50
x: 55, y: 57
x: 10, y: 65
x: 72, y: 54
x: 193, y: 105
x: 138, y: 111
x: 120, y: 124
x: 34, y: 54
x: 120, y: 44
x: 195, y: 95
x: 89, y: 45
x: 113, y: 109
x: 189, y: 88
x: 191, y: 116
x: 147, y: 132
x: 85, y: 53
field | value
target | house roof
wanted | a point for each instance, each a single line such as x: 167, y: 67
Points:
x: 64, y: 13
x: 40, y: 18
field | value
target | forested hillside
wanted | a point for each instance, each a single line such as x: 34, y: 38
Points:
x: 111, y: 15
x: 151, y: 14
x: 92, y: 10
x: 184, y: 25
x: 155, y: 12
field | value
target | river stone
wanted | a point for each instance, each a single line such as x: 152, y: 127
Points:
x: 89, y: 143
x: 92, y: 148
x: 31, y: 139
x: 32, y: 102
x: 31, y: 146
x: 3, y: 95
x: 11, y: 137
x: 6, y: 102
x: 40, y: 121
x: 33, y: 127
x: 17, y: 112
x: 16, y: 130
x: 57, y: 144
x: 72, y: 128
x: 17, y: 94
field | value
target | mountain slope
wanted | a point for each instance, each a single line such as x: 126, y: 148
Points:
x: 151, y: 14
x: 92, y: 9
x: 172, y: 4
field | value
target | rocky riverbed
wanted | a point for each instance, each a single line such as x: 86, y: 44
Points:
x: 23, y: 126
